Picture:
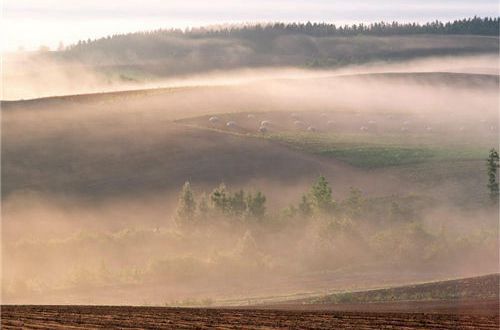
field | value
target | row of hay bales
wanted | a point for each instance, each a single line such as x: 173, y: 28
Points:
x: 371, y: 125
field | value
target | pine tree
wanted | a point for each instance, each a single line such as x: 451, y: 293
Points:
x: 256, y: 205
x: 492, y: 168
x: 321, y: 195
x: 187, y: 205
x: 237, y: 203
x: 220, y: 199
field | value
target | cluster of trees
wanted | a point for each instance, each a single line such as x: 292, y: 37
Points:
x: 317, y: 202
x: 474, y: 26
x: 492, y: 169
x: 252, y: 206
x: 162, y: 53
x: 220, y: 202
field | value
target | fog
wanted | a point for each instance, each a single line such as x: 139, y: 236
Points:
x: 28, y: 76
x: 90, y: 183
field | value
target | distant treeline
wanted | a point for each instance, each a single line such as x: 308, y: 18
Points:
x: 165, y: 53
x: 487, y: 26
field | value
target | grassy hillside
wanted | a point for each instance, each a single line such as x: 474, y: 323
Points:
x: 482, y: 287
x: 128, y: 142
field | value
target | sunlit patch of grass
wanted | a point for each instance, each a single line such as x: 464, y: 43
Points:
x: 370, y: 151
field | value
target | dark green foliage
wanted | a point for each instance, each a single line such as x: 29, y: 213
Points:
x: 321, y: 195
x: 220, y: 199
x: 278, y: 44
x: 492, y: 167
x: 256, y: 205
x: 187, y: 206
x: 262, y: 33
x: 237, y: 205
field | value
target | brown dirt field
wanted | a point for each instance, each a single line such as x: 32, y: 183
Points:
x: 90, y: 317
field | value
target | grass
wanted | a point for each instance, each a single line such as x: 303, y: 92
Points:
x: 368, y: 151
x: 482, y: 287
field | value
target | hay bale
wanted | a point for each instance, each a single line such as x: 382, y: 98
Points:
x: 299, y: 124
x: 214, y: 120
x: 263, y: 129
x: 231, y: 124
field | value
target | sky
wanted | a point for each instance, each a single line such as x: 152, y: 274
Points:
x: 28, y: 24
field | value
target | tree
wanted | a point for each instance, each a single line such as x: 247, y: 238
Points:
x: 321, y: 195
x: 220, y: 199
x: 256, y: 205
x: 492, y: 168
x: 186, y: 205
x: 237, y: 205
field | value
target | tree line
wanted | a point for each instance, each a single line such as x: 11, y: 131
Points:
x: 318, y: 201
x: 488, y: 26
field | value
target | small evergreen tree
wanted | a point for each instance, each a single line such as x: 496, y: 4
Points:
x: 237, y: 204
x: 219, y: 198
x: 256, y: 205
x: 187, y: 205
x: 492, y: 167
x: 321, y: 195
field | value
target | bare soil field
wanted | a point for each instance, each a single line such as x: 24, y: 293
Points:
x: 90, y: 317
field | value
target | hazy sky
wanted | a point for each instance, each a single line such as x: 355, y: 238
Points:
x: 30, y: 23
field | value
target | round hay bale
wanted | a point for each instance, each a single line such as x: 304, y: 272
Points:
x: 265, y: 123
x: 231, y: 124
x: 299, y: 124
x: 214, y: 120
x: 263, y: 129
